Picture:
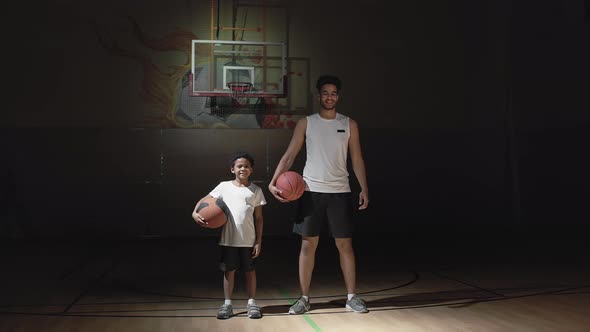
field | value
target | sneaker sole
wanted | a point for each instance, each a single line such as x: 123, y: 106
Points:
x: 300, y: 313
x: 357, y: 311
x: 297, y: 313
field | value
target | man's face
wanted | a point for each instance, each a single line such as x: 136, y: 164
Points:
x: 328, y: 97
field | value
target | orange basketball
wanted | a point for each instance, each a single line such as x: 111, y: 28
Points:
x: 213, y: 211
x: 291, y: 184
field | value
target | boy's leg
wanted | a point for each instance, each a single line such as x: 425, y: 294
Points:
x: 254, y: 310
x: 228, y: 284
x: 251, y: 283
x: 247, y: 263
x: 226, y: 310
x: 229, y: 263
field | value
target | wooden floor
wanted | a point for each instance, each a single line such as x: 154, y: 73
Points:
x: 409, y: 285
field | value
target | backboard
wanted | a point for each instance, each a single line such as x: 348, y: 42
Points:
x: 215, y: 63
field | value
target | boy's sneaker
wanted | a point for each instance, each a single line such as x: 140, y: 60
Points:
x: 356, y: 304
x: 225, y: 312
x: 254, y: 311
x: 300, y: 307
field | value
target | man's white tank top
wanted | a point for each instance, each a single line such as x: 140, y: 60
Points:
x: 326, y: 142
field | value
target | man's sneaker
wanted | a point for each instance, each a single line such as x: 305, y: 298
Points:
x: 254, y: 311
x: 356, y: 304
x: 225, y: 312
x: 300, y: 307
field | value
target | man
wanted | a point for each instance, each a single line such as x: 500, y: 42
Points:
x: 329, y: 137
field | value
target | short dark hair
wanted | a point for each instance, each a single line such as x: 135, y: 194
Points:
x: 241, y: 154
x: 328, y: 79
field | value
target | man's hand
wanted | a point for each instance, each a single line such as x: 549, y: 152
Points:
x: 363, y: 200
x: 276, y: 193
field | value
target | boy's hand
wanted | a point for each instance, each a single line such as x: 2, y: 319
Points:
x: 276, y: 193
x: 256, y: 250
x: 199, y: 219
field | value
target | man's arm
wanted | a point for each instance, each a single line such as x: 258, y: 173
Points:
x: 289, y: 156
x: 358, y: 164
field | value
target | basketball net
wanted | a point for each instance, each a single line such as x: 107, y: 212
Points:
x: 239, y: 91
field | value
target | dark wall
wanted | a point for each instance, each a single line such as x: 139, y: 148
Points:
x: 472, y: 116
x: 549, y: 72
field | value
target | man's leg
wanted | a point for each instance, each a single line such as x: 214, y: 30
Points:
x: 309, y: 221
x: 307, y: 262
x: 306, y: 265
x: 348, y: 266
x: 347, y: 263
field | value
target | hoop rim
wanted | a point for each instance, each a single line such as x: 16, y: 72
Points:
x: 239, y: 86
x: 283, y: 93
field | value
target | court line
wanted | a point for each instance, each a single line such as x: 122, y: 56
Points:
x: 464, y: 302
x: 305, y: 316
x: 90, y: 286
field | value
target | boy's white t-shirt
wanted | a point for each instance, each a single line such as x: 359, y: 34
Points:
x: 239, y: 231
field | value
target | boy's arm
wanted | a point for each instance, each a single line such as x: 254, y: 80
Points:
x: 258, y: 219
x: 358, y: 164
x: 197, y: 217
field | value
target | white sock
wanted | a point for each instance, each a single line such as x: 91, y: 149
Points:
x: 305, y: 297
x: 227, y: 301
x: 350, y: 296
x: 251, y: 302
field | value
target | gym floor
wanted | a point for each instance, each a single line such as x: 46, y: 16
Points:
x: 410, y: 283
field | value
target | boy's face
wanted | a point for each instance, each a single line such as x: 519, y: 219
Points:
x: 242, y: 169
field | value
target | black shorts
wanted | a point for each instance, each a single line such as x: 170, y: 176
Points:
x: 233, y: 258
x: 314, y: 209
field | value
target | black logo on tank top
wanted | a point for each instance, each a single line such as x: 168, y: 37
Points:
x: 340, y: 130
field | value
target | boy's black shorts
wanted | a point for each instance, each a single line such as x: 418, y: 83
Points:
x: 233, y: 258
x: 314, y: 209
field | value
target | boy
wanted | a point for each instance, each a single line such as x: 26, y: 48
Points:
x: 241, y: 236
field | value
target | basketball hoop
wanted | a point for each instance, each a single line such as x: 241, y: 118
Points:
x: 239, y: 91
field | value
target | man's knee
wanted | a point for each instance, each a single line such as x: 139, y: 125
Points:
x: 309, y: 244
x: 344, y: 244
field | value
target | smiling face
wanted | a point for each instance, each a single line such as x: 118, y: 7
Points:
x: 242, y: 169
x: 328, y: 97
